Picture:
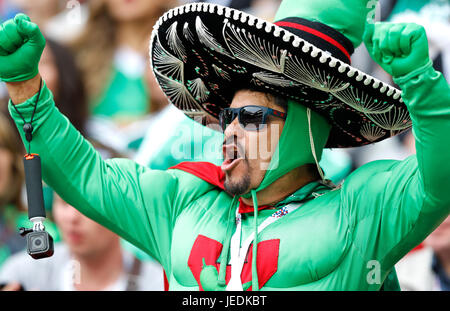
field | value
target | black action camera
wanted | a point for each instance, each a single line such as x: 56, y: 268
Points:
x: 39, y: 243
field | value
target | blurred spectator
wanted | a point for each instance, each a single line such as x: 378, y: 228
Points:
x: 235, y: 4
x: 265, y: 9
x: 112, y: 54
x: 7, y: 10
x: 59, y: 71
x: 91, y: 258
x: 40, y: 11
x: 13, y: 212
x: 428, y: 268
x: 11, y: 183
x: 62, y: 76
x: 60, y: 20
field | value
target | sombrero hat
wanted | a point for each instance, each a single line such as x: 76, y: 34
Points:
x: 201, y: 53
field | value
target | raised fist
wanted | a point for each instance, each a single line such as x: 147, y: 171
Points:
x: 398, y: 48
x: 21, y: 46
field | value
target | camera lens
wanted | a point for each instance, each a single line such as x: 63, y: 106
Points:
x: 37, y: 243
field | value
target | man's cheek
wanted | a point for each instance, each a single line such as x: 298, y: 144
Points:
x: 261, y: 146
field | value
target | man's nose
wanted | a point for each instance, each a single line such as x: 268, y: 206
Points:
x: 72, y: 215
x: 233, y: 129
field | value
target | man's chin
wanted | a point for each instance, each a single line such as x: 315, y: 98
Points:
x: 237, y: 185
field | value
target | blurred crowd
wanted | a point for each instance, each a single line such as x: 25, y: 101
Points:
x: 96, y: 65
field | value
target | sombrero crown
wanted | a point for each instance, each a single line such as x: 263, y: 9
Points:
x: 202, y: 53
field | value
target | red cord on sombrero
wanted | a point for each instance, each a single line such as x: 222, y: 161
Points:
x: 316, y: 33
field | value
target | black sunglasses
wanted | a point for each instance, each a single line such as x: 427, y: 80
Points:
x: 251, y: 118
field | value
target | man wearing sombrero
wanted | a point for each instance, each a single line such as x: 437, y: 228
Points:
x: 251, y: 225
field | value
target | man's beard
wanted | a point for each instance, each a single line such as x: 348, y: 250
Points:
x: 240, y: 186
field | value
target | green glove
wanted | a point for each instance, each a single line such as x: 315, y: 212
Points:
x: 21, y: 46
x: 398, y: 48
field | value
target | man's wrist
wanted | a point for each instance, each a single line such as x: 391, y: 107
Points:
x: 406, y: 77
x: 21, y: 91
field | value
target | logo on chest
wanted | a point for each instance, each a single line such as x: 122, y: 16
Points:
x: 206, y: 251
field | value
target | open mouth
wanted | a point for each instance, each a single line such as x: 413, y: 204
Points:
x: 231, y: 157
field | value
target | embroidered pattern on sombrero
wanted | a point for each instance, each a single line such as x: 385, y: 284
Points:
x: 202, y: 53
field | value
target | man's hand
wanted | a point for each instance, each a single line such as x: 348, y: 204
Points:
x: 398, y: 48
x: 21, y: 46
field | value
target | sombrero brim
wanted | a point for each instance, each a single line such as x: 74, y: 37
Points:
x: 202, y: 53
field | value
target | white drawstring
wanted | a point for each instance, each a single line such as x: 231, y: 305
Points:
x: 311, y: 141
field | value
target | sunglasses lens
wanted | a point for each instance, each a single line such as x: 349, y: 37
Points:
x: 252, y: 118
x: 226, y: 116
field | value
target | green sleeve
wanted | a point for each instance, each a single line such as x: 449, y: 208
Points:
x: 394, y: 205
x: 139, y: 204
